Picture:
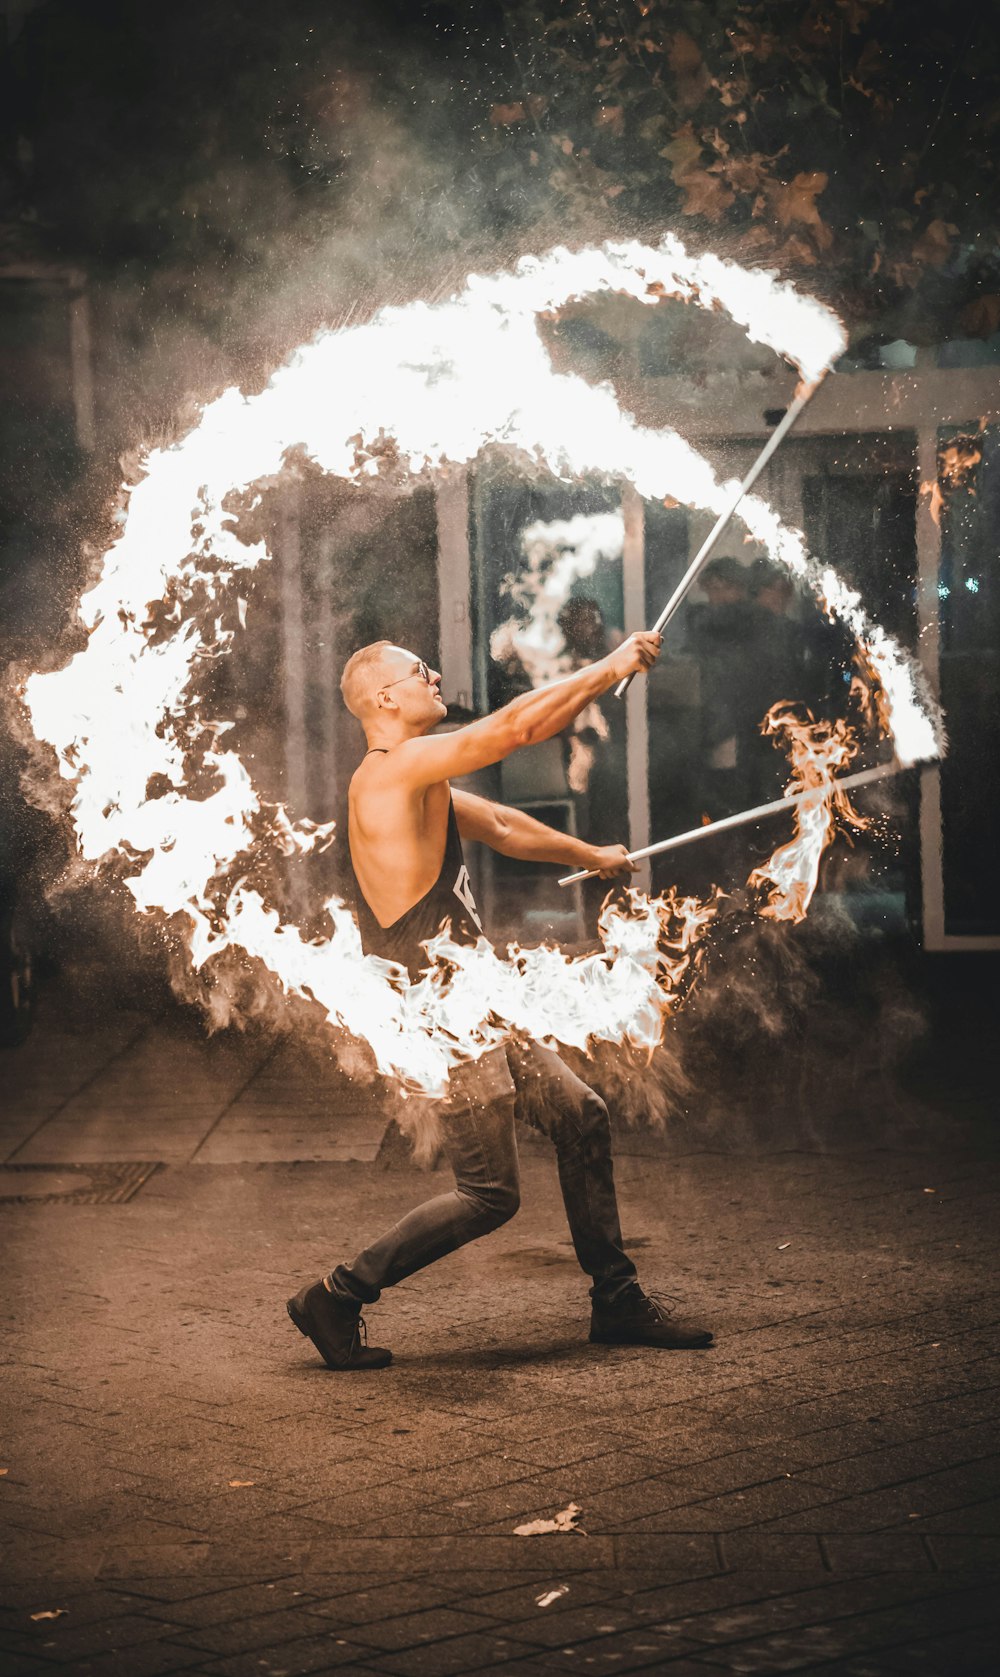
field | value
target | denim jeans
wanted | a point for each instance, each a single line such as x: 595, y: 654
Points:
x: 538, y: 1088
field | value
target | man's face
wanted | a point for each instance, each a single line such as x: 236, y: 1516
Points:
x: 418, y: 701
x: 721, y: 592
x: 583, y: 627
x: 775, y: 598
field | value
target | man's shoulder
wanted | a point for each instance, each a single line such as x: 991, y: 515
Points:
x: 377, y: 780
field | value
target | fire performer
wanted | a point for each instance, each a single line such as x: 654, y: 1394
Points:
x: 406, y: 827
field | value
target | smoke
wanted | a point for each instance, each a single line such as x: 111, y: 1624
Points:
x: 799, y: 1036
x: 557, y: 554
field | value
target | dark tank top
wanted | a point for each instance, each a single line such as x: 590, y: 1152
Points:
x: 449, y: 898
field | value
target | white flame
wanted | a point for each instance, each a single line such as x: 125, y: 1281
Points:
x: 818, y: 751
x: 443, y: 380
x: 558, y: 552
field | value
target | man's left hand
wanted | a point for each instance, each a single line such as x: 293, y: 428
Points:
x: 611, y: 861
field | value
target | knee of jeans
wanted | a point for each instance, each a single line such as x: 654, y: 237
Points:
x: 496, y: 1202
x: 593, y: 1116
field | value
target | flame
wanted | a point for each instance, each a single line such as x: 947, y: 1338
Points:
x: 124, y: 715
x: 817, y: 751
x: 956, y: 470
x: 557, y: 553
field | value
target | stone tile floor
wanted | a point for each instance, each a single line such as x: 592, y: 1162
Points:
x: 189, y: 1490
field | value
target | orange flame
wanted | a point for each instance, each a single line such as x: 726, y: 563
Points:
x: 818, y: 750
x: 956, y: 471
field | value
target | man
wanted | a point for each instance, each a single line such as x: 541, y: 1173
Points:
x: 405, y: 832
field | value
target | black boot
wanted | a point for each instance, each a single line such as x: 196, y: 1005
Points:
x: 636, y: 1319
x: 335, y: 1328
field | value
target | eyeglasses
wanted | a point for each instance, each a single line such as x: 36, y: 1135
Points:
x: 421, y: 670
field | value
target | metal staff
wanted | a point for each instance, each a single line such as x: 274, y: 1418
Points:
x: 792, y: 414
x: 864, y: 777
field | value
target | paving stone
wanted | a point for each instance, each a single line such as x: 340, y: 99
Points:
x: 971, y: 1653
x: 411, y: 1630
x: 627, y: 1651
x: 148, y: 1659
x: 758, y: 1551
x: 814, y: 1644
x: 877, y: 1551
x: 354, y: 1607
x: 295, y: 1658
x: 974, y: 1515
x: 244, y: 1633
x: 961, y: 1552
x: 223, y: 1606
x: 684, y: 1555
x: 66, y: 1639
x: 443, y: 1659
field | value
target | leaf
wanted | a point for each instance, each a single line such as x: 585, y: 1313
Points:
x: 705, y: 194
x: 611, y: 117
x: 794, y: 204
x: 547, y: 1597
x: 684, y: 56
x: 934, y: 244
x: 691, y: 78
x: 683, y: 151
x: 747, y: 173
x: 748, y: 40
x: 48, y: 1613
x: 796, y: 253
x: 981, y: 317
x: 565, y: 1520
x: 855, y: 13
x: 502, y: 116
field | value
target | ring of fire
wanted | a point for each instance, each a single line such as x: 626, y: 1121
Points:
x: 452, y: 377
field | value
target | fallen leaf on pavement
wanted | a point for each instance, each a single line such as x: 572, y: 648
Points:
x: 565, y: 1520
x: 549, y: 1596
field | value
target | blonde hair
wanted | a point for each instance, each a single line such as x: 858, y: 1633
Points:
x: 359, y: 682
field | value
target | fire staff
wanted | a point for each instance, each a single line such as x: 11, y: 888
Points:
x: 406, y: 827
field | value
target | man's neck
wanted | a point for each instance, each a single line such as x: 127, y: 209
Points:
x: 383, y: 739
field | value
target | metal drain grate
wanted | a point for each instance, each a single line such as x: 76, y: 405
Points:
x: 107, y: 1183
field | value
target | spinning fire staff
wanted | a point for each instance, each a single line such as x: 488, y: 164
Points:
x: 405, y: 832
x: 845, y: 783
x: 802, y: 398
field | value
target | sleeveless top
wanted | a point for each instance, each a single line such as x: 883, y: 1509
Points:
x: 449, y: 898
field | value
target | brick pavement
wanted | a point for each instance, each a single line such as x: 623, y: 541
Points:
x: 819, y: 1492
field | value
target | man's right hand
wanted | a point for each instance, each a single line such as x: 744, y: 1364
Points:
x: 611, y: 861
x: 636, y: 655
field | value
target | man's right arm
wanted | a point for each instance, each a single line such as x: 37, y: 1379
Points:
x: 527, y: 720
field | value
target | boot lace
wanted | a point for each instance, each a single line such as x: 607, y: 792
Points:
x: 663, y: 1304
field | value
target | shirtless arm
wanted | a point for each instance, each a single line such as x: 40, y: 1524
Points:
x: 515, y: 833
x: 527, y: 720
